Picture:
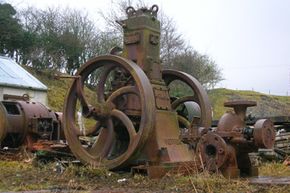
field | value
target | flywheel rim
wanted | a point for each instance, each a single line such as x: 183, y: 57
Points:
x: 147, y: 115
x: 201, y: 98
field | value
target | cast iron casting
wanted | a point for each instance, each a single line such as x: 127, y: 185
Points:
x: 120, y: 112
x: 23, y: 122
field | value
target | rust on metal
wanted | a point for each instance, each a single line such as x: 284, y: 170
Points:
x: 133, y: 120
x: 24, y: 122
x: 238, y: 141
x: 24, y: 97
x: 136, y: 123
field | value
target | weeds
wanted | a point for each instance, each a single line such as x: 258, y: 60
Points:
x: 20, y: 176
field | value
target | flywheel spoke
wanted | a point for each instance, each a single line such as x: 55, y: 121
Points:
x: 127, y: 122
x: 104, y: 141
x: 184, y: 99
x: 122, y: 91
x: 94, y: 129
x: 82, y: 131
x: 102, y: 81
x: 184, y: 121
x: 81, y: 95
x: 76, y: 130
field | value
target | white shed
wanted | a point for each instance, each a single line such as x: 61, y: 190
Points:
x: 16, y: 81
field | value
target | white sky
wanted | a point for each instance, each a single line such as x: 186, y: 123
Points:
x: 248, y: 39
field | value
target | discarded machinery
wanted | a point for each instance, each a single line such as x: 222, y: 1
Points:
x: 133, y: 121
x: 228, y: 147
x: 24, y: 122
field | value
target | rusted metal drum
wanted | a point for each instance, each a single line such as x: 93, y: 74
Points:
x: 264, y: 133
x: 20, y: 118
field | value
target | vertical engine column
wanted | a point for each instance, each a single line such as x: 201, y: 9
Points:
x: 142, y: 45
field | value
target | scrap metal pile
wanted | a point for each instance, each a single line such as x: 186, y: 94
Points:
x: 282, y: 141
x: 134, y: 121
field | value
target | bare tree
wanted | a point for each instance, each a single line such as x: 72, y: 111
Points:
x: 171, y: 41
x: 118, y: 12
x: 202, y: 67
x: 174, y: 52
x: 62, y: 39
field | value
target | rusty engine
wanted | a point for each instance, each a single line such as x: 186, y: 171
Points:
x: 132, y: 120
x: 23, y: 123
x: 121, y: 113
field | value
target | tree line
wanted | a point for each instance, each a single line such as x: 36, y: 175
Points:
x: 63, y: 39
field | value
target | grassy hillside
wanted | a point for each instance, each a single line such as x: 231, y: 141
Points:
x: 267, y: 105
x: 57, y: 88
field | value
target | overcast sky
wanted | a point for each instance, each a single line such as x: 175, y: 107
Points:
x: 248, y: 39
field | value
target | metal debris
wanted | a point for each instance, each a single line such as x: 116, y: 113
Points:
x: 270, y: 180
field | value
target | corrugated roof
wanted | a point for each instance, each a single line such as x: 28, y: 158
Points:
x: 13, y: 75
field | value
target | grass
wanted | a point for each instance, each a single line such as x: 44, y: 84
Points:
x: 22, y: 175
x: 274, y: 169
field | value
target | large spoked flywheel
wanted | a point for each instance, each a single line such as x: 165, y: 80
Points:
x: 196, y: 102
x: 109, y: 112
